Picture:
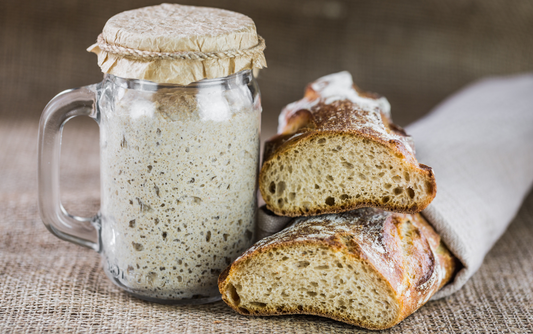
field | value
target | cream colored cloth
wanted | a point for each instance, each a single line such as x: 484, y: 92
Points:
x: 480, y: 145
x: 269, y: 223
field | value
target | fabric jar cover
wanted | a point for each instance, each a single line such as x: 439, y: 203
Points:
x: 178, y: 44
x: 479, y: 142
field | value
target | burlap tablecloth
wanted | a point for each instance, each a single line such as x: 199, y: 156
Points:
x: 48, y: 285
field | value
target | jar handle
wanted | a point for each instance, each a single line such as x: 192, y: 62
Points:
x: 63, y: 107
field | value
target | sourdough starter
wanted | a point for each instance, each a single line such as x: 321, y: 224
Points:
x: 179, y: 181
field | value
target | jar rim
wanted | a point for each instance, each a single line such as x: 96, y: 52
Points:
x: 140, y: 84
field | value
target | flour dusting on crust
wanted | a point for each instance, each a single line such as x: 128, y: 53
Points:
x: 336, y: 105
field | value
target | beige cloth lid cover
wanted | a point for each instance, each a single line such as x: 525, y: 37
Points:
x: 172, y: 43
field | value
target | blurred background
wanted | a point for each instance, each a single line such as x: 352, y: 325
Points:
x: 415, y: 53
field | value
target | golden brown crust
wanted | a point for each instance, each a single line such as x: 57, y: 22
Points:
x: 402, y: 249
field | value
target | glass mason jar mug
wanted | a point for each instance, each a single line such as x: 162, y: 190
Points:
x: 178, y: 181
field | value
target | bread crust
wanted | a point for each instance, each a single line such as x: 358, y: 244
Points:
x: 402, y: 249
x: 317, y: 116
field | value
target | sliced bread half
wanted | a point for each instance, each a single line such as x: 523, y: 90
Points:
x: 368, y: 267
x: 338, y: 150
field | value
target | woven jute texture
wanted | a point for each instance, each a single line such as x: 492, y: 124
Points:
x: 48, y: 285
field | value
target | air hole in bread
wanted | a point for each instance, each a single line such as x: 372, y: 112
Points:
x: 344, y: 197
x: 258, y: 304
x: 312, y: 293
x: 272, y: 187
x: 322, y: 141
x: 232, y: 294
x: 281, y: 187
x: 280, y: 202
x: 322, y: 267
x: 407, y: 177
x: 347, y: 165
x: 387, y: 185
x: 398, y: 191
x: 396, y: 179
x: 302, y: 264
x: 292, y: 196
x: 330, y: 178
x: 411, y: 193
x: 330, y: 201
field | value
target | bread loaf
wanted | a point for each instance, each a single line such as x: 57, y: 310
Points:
x: 366, y: 267
x: 337, y: 150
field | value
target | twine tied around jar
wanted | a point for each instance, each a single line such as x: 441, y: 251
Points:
x: 178, y: 55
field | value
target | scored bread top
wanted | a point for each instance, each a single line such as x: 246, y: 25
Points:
x: 334, y: 103
x: 330, y: 88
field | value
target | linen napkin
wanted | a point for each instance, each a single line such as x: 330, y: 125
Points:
x: 479, y: 143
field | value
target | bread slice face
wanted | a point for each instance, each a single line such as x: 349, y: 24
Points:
x: 341, y: 152
x: 327, y: 172
x: 368, y: 267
